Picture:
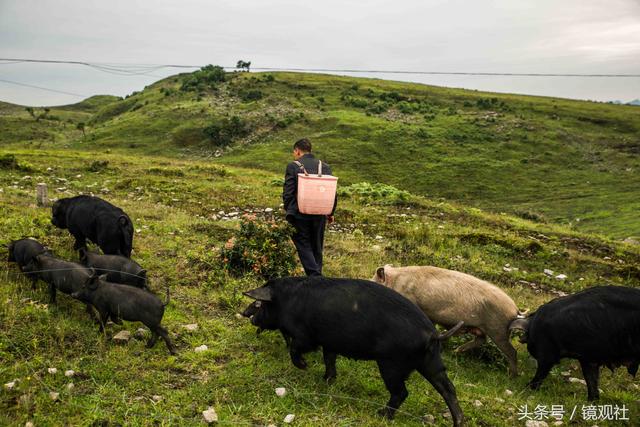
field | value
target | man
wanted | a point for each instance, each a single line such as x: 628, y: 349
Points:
x: 309, y: 235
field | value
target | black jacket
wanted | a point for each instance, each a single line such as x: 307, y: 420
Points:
x: 290, y: 189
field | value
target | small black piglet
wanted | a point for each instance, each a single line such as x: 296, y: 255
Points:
x: 122, y: 302
x: 119, y: 269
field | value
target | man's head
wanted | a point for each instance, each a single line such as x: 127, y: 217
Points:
x: 301, y: 147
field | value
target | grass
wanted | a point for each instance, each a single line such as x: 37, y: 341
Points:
x: 172, y: 203
x: 428, y: 171
x: 571, y: 162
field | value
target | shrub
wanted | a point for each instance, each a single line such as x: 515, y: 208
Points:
x: 206, y: 77
x: 251, y: 95
x: 260, y: 247
x: 9, y: 161
x: 377, y: 193
x: 227, y: 130
x: 98, y: 165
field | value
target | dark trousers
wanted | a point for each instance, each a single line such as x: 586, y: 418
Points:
x: 309, y: 240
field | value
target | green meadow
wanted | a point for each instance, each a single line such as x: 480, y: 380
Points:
x: 498, y: 186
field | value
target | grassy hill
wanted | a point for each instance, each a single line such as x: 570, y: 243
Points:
x: 148, y: 154
x: 175, y: 205
x: 570, y: 162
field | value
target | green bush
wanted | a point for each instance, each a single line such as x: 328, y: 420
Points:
x: 260, y: 247
x: 98, y: 165
x: 206, y: 77
x: 224, y: 132
x: 9, y: 161
x: 378, y: 193
x: 251, y: 95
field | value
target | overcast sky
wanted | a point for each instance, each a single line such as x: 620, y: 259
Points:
x: 522, y: 36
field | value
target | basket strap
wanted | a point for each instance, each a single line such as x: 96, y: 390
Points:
x: 319, y: 167
x: 301, y: 166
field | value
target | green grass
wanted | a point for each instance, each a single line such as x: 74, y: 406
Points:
x: 172, y: 203
x: 471, y: 179
x: 571, y: 162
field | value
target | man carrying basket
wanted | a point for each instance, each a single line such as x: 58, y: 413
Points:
x: 310, y: 199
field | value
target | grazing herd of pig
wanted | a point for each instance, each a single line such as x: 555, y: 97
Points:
x: 389, y: 319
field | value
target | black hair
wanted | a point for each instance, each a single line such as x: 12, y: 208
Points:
x: 303, y: 145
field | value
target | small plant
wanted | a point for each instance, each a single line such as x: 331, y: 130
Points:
x: 251, y: 95
x: 9, y: 161
x: 98, y: 165
x: 260, y: 247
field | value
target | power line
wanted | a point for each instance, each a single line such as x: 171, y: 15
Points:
x: 43, y: 88
x: 144, y: 69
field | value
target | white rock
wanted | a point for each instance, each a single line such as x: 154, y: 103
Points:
x: 534, y: 423
x: 548, y: 272
x: 54, y: 396
x: 379, y: 237
x: 429, y: 419
x: 289, y: 418
x: 577, y: 380
x: 122, y: 337
x: 239, y: 316
x: 28, y: 424
x: 565, y: 373
x: 581, y: 279
x: 78, y: 176
x: 52, y: 370
x: 557, y: 423
x: 210, y: 415
x: 477, y: 403
x: 191, y: 327
x: 10, y: 385
x: 69, y: 373
x: 441, y: 226
x: 281, y: 391
x: 268, y: 210
x: 499, y: 399
x: 156, y: 398
x: 561, y: 276
x: 70, y: 386
x: 508, y: 392
x: 201, y: 348
x: 507, y: 269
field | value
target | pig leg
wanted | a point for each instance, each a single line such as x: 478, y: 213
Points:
x: 544, y: 367
x: 504, y: 344
x: 52, y: 293
x: 103, y: 316
x: 297, y: 347
x: 591, y: 374
x: 476, y: 342
x: 394, y: 375
x: 81, y: 241
x: 440, y: 381
x: 165, y: 336
x: 329, y: 365
x: 153, y: 339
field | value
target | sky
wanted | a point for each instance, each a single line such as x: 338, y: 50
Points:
x: 505, y: 36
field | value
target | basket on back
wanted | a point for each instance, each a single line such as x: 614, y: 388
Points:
x: 316, y: 192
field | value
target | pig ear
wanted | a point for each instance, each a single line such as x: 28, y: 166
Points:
x: 93, y: 282
x: 261, y: 294
x: 380, y: 273
x: 103, y: 277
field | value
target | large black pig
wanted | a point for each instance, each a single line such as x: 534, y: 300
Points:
x: 358, y: 319
x: 92, y: 218
x: 599, y: 326
x: 119, y: 269
x: 22, y: 252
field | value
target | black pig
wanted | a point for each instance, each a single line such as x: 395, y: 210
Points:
x: 64, y: 276
x: 22, y: 252
x: 122, y: 302
x: 597, y: 326
x: 119, y: 269
x: 358, y: 319
x: 92, y: 218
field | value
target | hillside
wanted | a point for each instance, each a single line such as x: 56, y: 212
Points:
x: 568, y: 162
x: 175, y: 204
